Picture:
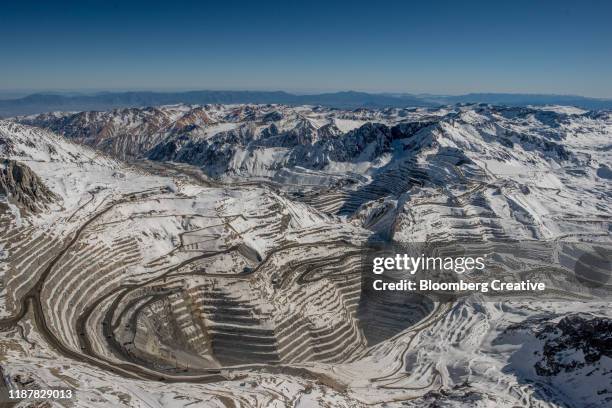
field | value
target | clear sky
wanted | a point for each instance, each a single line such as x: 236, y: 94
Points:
x: 442, y: 47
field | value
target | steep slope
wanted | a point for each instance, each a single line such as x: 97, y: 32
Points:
x: 124, y: 133
x: 21, y: 186
x: 149, y: 277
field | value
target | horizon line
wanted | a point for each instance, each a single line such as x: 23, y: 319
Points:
x: 25, y: 92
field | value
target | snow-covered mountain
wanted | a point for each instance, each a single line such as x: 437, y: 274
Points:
x: 517, y: 168
x: 211, y: 255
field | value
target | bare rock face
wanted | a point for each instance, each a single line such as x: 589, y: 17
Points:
x: 577, y: 341
x: 23, y: 187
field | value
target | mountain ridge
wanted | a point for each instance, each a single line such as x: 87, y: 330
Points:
x: 46, y: 102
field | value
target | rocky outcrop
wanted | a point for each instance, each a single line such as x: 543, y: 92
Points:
x: 23, y: 187
x: 584, y: 337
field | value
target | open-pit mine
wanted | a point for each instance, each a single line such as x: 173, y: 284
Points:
x: 212, y: 255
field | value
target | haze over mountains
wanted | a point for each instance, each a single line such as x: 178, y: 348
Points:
x: 48, y: 102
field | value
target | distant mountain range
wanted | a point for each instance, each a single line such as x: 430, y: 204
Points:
x: 47, y: 102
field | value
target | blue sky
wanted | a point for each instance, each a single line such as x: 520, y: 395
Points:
x: 442, y: 47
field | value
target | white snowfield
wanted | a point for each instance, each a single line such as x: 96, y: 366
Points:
x: 219, y: 265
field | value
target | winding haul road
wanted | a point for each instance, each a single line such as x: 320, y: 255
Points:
x: 136, y: 368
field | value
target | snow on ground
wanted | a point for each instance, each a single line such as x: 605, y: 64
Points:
x: 346, y: 125
x: 475, y: 172
x: 569, y: 110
